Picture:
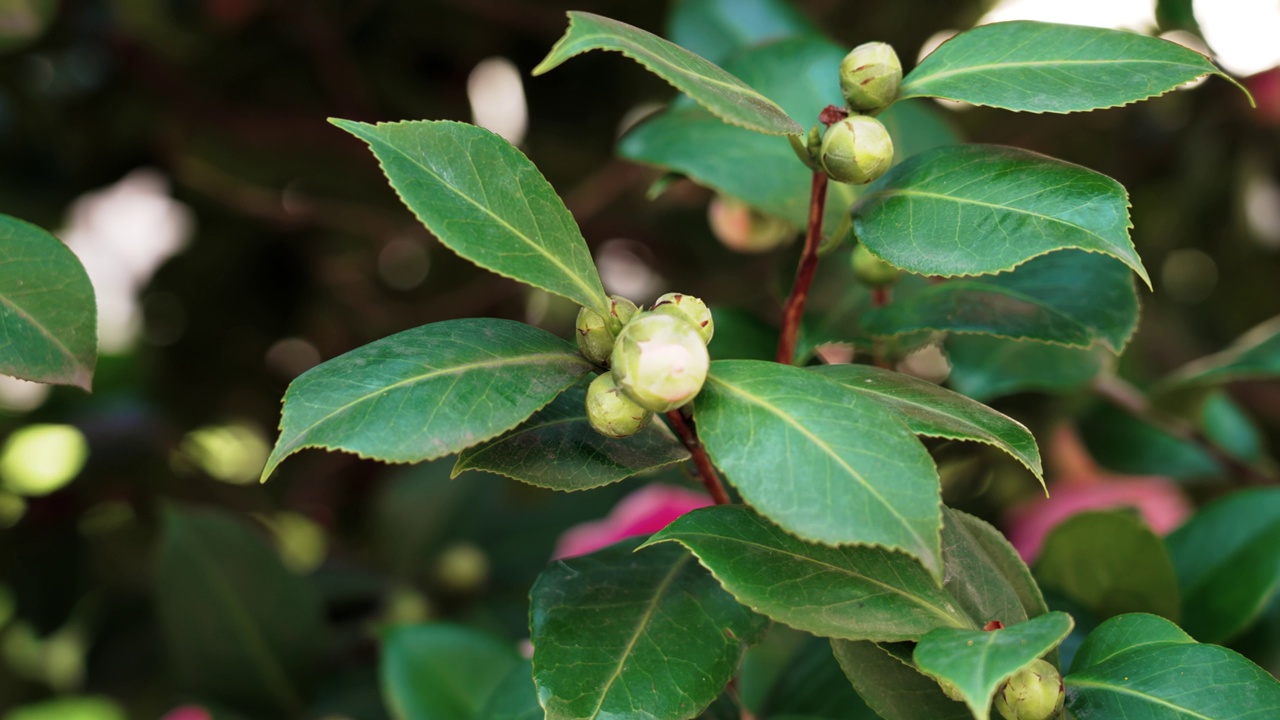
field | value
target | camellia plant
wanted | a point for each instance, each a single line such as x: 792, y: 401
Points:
x: 827, y: 513
x: 825, y: 510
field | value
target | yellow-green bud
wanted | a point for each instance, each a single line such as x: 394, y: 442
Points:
x: 856, y: 150
x: 691, y: 309
x: 740, y: 227
x: 612, y: 413
x: 597, y: 332
x: 808, y: 146
x: 872, y: 270
x: 1033, y: 693
x: 660, y: 361
x: 870, y: 76
x: 462, y: 567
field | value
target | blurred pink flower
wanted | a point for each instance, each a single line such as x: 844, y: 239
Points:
x: 188, y: 712
x: 643, y: 512
x: 1082, y: 486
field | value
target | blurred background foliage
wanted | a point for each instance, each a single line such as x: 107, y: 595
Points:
x: 235, y: 239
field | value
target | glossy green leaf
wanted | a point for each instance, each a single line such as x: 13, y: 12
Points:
x: 994, y: 550
x: 930, y: 410
x: 976, y: 662
x: 727, y: 97
x: 1253, y: 356
x: 1045, y: 67
x: 980, y: 209
x: 1227, y: 559
x: 623, y: 634
x: 985, y: 368
x: 427, y: 392
x: 1111, y: 563
x: 1144, y: 667
x: 240, y: 628
x: 558, y: 449
x: 515, y: 697
x: 813, y: 687
x: 719, y: 29
x: 48, y: 318
x: 1039, y: 300
x: 856, y: 593
x: 485, y: 201
x: 802, y: 76
x: 891, y: 685
x: 442, y: 672
x: 827, y: 464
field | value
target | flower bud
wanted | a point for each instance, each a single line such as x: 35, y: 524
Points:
x: 870, y: 76
x: 740, y: 227
x: 808, y: 146
x: 1033, y: 693
x: 462, y: 567
x: 612, y: 413
x: 597, y: 332
x: 856, y: 150
x: 660, y: 361
x: 871, y: 270
x: 689, y: 308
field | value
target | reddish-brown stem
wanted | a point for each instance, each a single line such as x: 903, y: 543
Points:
x: 793, y: 311
x: 881, y: 296
x: 706, y: 471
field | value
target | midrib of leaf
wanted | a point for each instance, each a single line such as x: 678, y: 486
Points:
x: 649, y: 611
x: 907, y: 87
x: 272, y: 672
x: 940, y: 612
x: 828, y: 450
x: 452, y: 370
x: 996, y: 206
x: 43, y: 330
x: 1134, y: 693
x: 591, y: 292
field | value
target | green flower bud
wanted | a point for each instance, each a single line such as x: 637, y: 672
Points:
x: 808, y: 146
x: 462, y: 567
x: 856, y: 150
x: 612, y: 413
x: 740, y: 227
x: 870, y: 76
x: 689, y: 308
x: 1033, y: 693
x: 660, y: 361
x: 872, y: 270
x: 597, y: 332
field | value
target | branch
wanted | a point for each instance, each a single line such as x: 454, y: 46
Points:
x: 706, y: 471
x: 793, y: 311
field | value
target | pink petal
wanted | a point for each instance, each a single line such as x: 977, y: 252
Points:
x: 1158, y: 499
x: 643, y: 512
x: 188, y: 712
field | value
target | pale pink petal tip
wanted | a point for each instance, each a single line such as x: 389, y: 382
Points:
x: 643, y: 512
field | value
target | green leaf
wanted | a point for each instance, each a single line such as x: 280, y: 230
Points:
x: 442, y: 672
x: 813, y: 687
x: 981, y: 209
x: 427, y: 392
x: 891, y: 685
x: 719, y: 29
x: 827, y: 464
x: 1143, y: 666
x: 1177, y: 15
x: 1111, y: 563
x: 558, y: 449
x: 933, y: 411
x: 68, y: 708
x: 977, y: 661
x: 622, y: 634
x: 1039, y: 300
x: 1227, y: 559
x: 485, y: 201
x: 239, y: 627
x: 985, y: 368
x: 1045, y: 67
x: 515, y: 697
x: 1253, y: 356
x: 727, y: 97
x: 858, y: 593
x: 48, y: 318
x: 802, y: 76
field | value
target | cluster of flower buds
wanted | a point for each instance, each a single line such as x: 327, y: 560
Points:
x: 657, y: 361
x: 596, y: 332
x: 1033, y: 693
x: 857, y: 149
